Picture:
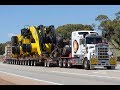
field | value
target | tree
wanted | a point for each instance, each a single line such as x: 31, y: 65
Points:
x: 2, y: 47
x: 110, y: 28
x: 117, y: 15
x: 66, y: 30
x: 101, y: 18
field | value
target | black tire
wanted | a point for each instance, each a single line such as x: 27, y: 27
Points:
x: 111, y: 67
x: 15, y: 62
x: 20, y: 62
x: 53, y: 37
x: 41, y: 36
x: 35, y: 63
x: 49, y: 64
x: 26, y: 62
x: 108, y: 67
x: 60, y: 63
x: 23, y: 62
x: 69, y: 64
x: 87, y: 64
x: 64, y: 63
x: 45, y: 63
x: 29, y: 62
x: 53, y: 34
x: 11, y: 61
x: 14, y: 40
x: 32, y: 63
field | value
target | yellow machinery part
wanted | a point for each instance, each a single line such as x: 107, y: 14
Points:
x: 21, y: 50
x: 48, y: 47
x: 34, y: 47
x: 26, y: 41
x: 94, y: 61
x: 35, y: 36
x: 112, y: 60
x: 20, y: 37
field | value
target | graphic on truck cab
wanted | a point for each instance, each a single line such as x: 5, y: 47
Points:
x: 75, y: 46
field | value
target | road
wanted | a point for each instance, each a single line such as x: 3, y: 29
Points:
x: 38, y: 75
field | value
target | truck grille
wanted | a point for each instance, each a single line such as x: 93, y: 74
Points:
x: 102, y: 53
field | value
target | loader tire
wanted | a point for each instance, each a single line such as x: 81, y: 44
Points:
x: 53, y: 34
x: 42, y: 37
x: 14, y: 40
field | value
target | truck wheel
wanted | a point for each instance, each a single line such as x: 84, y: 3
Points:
x: 108, y: 67
x: 87, y: 64
x: 111, y: 67
x: 69, y: 64
x: 60, y: 63
x: 65, y: 63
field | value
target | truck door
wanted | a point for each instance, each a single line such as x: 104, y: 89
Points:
x: 82, y: 47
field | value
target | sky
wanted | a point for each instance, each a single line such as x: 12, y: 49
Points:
x: 13, y: 18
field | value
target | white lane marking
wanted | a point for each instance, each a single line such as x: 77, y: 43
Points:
x: 100, y: 72
x: 87, y: 75
x: 31, y: 78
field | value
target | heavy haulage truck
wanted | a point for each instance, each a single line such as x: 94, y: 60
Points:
x: 41, y: 46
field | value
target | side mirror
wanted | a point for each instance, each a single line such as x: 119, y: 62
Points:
x: 84, y: 45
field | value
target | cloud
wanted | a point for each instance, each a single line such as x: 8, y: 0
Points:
x: 11, y: 34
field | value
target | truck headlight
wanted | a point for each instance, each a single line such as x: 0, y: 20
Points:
x: 109, y: 53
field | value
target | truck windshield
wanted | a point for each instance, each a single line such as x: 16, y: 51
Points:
x: 93, y: 40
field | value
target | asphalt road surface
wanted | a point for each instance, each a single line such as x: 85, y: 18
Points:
x: 38, y: 75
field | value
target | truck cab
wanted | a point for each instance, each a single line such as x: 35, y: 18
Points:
x: 90, y: 51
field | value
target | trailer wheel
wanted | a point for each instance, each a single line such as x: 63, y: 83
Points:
x: 45, y: 63
x: 35, y: 63
x: 69, y: 64
x: 49, y: 64
x: 32, y: 63
x: 60, y: 63
x: 87, y: 64
x: 29, y: 62
x: 65, y: 63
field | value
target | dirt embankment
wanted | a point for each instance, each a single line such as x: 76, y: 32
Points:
x: 4, y: 82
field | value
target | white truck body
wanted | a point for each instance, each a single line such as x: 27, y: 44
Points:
x: 84, y: 47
